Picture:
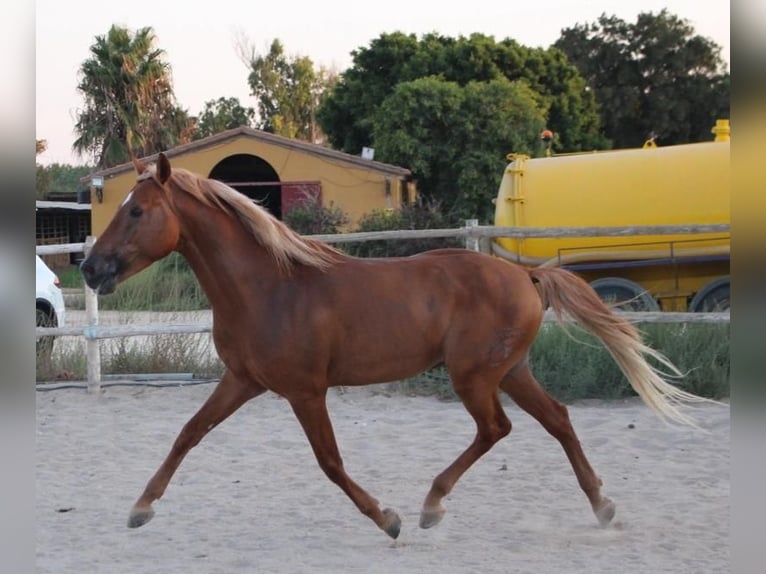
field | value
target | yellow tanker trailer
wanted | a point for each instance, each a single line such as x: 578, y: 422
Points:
x: 674, y: 185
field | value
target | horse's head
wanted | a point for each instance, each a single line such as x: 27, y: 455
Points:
x: 144, y: 229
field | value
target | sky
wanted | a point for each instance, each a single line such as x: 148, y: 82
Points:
x: 200, y: 39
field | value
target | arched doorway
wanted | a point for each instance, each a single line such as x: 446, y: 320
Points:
x: 253, y: 177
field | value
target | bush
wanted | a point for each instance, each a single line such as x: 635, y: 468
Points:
x: 313, y: 218
x: 568, y: 369
x: 167, y: 285
x: 167, y: 354
x: 180, y: 353
x: 583, y: 369
x: 416, y: 216
x: 70, y: 277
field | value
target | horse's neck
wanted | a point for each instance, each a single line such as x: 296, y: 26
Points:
x: 228, y: 262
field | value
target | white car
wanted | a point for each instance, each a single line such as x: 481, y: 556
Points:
x: 50, y: 304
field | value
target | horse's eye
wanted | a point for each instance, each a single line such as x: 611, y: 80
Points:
x: 136, y: 211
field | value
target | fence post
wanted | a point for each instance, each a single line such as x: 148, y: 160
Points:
x: 92, y: 348
x: 471, y: 241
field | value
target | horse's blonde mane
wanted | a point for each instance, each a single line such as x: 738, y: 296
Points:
x: 285, y: 245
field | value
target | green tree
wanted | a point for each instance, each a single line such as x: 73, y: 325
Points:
x: 654, y: 76
x: 455, y: 138
x: 129, y: 102
x: 65, y: 178
x: 56, y: 178
x: 288, y: 90
x: 222, y: 114
x: 347, y: 113
x: 420, y: 215
x: 42, y: 177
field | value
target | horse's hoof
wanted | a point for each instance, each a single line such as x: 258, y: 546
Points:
x: 606, y: 512
x: 429, y: 518
x: 140, y: 516
x: 393, y: 524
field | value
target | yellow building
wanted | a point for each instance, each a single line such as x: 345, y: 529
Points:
x: 280, y: 172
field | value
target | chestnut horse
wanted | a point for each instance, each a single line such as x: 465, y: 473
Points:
x: 295, y: 316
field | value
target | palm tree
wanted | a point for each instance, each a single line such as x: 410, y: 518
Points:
x: 129, y: 100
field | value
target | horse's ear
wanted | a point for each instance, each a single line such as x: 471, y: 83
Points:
x: 138, y: 164
x: 163, y: 168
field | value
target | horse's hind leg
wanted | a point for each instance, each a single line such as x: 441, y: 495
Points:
x: 227, y: 397
x: 482, y: 403
x: 524, y: 389
x: 315, y: 420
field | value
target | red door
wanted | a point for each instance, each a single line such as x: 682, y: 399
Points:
x: 295, y: 193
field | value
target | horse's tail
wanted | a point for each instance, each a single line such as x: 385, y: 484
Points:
x: 567, y: 294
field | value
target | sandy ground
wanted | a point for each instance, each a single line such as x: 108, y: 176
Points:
x: 251, y: 498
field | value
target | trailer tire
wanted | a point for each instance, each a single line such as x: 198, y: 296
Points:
x: 712, y: 297
x: 624, y: 294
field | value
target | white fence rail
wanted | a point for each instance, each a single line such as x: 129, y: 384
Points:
x: 472, y: 233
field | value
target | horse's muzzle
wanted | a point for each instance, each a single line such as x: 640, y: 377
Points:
x: 100, y: 273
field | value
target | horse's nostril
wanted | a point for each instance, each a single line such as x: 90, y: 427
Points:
x: 86, y: 269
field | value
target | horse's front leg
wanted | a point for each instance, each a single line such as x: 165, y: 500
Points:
x: 229, y: 394
x: 315, y: 420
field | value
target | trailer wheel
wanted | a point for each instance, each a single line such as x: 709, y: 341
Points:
x: 624, y: 294
x: 712, y: 297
